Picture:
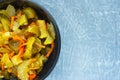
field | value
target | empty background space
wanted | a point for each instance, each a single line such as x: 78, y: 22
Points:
x: 90, y: 39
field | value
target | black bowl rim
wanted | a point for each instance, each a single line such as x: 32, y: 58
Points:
x: 55, y: 27
x: 59, y: 38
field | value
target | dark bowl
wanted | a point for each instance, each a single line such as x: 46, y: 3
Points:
x: 43, y: 14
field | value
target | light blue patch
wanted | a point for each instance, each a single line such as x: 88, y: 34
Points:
x: 90, y: 35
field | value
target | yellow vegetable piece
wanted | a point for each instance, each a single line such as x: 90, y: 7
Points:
x: 39, y: 62
x: 51, y: 34
x: 16, y: 60
x: 51, y: 30
x: 28, y: 51
x: 24, y: 43
x: 42, y: 59
x: 36, y: 46
x: 15, y: 26
x: 4, y: 12
x: 23, y: 70
x: 42, y: 27
x: 4, y: 37
x: 10, y: 10
x: 4, y: 50
x: 29, y: 12
x: 6, y: 23
x: 33, y: 29
x: 48, y: 40
x: 22, y: 20
x: 5, y: 59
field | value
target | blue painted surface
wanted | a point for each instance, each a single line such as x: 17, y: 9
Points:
x: 90, y: 35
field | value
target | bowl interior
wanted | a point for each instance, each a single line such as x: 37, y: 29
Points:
x: 43, y: 14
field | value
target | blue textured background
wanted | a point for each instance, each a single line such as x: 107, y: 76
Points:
x: 90, y: 35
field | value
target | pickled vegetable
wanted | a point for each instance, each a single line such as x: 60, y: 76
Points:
x: 6, y: 23
x: 51, y: 30
x: 38, y: 63
x: 33, y: 29
x: 5, y: 59
x: 23, y: 70
x: 29, y: 12
x: 51, y: 34
x: 48, y: 40
x: 22, y: 20
x: 16, y: 60
x: 4, y: 12
x: 16, y: 26
x: 28, y: 51
x: 42, y: 27
x: 37, y: 46
x: 10, y: 10
x: 26, y: 43
x: 4, y: 37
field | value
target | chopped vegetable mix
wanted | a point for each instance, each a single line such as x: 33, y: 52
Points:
x: 26, y: 42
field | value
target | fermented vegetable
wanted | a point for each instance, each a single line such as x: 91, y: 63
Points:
x: 26, y: 42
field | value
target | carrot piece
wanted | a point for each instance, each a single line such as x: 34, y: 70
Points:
x: 50, y: 51
x: 0, y: 54
x: 9, y: 70
x: 32, y: 76
x: 15, y: 73
x: 37, y: 24
x: 3, y: 31
x: 19, y: 14
x: 32, y: 60
x: 12, y: 21
x: 2, y: 66
x: 21, y: 52
x: 19, y: 39
x: 7, y: 47
x: 32, y: 23
x: 45, y: 25
x: 11, y: 54
x: 22, y: 45
x: 13, y: 18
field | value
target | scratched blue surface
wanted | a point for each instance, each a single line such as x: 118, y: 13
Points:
x: 90, y: 36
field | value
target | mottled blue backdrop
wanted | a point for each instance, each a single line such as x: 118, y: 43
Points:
x: 90, y: 36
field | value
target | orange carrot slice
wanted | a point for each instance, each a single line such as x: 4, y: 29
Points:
x: 50, y: 51
x: 2, y: 66
x: 21, y: 52
x: 19, y: 14
x: 0, y: 54
x: 32, y: 76
x: 11, y: 54
x: 22, y: 45
x: 32, y: 60
x: 19, y: 39
x: 12, y: 21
